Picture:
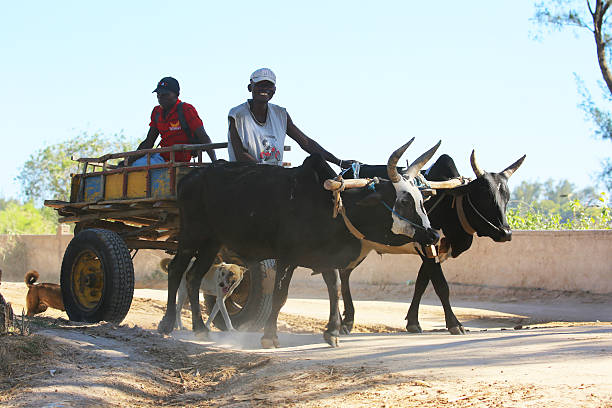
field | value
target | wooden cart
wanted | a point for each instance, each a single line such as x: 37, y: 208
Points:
x: 117, y: 209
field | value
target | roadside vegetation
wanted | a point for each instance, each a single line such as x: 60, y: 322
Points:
x: 558, y: 205
x: 18, y: 218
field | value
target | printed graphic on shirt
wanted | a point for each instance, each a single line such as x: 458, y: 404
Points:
x: 269, y: 152
x: 175, y: 125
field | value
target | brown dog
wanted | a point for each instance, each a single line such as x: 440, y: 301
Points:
x: 42, y: 295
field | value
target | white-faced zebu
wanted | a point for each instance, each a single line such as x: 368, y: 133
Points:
x: 478, y: 207
x: 268, y: 212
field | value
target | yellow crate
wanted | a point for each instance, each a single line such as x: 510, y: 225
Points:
x: 113, y: 188
x: 136, y: 184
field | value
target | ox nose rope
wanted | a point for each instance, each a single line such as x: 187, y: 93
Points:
x: 402, y: 217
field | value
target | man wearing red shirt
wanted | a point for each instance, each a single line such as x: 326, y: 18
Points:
x: 165, y: 121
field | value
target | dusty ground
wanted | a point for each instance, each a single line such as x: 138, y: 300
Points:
x: 562, y: 356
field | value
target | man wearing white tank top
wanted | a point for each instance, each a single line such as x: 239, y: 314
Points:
x: 257, y: 132
x: 257, y: 128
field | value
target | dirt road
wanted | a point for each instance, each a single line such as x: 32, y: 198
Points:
x: 563, y: 364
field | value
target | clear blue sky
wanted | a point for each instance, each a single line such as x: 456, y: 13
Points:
x: 361, y: 78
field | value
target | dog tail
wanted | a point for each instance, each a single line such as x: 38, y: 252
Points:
x: 163, y: 264
x: 31, y: 277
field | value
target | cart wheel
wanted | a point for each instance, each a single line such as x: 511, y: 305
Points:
x: 251, y: 302
x: 97, y: 277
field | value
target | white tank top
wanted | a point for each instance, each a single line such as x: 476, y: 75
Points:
x: 264, y: 141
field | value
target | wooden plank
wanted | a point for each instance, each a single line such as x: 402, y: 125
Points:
x: 109, y: 225
x: 57, y: 203
x: 135, y: 222
x: 137, y: 200
x: 174, y: 148
x: 117, y: 215
x: 163, y: 204
x: 142, y: 244
x: 139, y: 220
x: 125, y: 184
x: 150, y: 232
x: 99, y: 207
x: 153, y: 166
x: 173, y: 179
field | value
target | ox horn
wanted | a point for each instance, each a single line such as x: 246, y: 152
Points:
x: 512, y: 168
x: 392, y: 172
x: 477, y: 170
x: 414, y: 168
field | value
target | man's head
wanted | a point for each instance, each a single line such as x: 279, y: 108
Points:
x: 167, y: 92
x: 262, y: 84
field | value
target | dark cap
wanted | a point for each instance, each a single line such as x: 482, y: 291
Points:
x: 168, y: 84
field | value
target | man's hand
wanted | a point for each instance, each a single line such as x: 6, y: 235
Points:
x: 345, y: 164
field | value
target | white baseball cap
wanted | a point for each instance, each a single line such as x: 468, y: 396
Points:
x: 263, y: 74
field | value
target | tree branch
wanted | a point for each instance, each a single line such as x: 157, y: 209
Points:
x: 600, y: 43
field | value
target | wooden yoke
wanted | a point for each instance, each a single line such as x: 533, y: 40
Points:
x: 332, y: 185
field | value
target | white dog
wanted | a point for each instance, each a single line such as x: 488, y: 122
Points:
x: 220, y: 280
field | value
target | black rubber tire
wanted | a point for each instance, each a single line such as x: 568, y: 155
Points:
x: 118, y: 270
x: 258, y: 306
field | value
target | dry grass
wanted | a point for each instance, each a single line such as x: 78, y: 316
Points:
x: 21, y: 357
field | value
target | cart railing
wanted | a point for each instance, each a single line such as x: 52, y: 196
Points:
x: 137, y: 202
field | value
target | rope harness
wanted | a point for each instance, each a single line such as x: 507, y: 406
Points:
x: 463, y: 219
x: 429, y: 251
x: 381, y: 248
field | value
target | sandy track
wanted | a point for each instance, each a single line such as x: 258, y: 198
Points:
x: 567, y: 365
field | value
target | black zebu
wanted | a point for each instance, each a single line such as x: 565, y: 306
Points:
x: 478, y: 207
x: 264, y: 212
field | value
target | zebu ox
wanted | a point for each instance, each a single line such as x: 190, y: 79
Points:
x: 267, y: 212
x: 478, y: 207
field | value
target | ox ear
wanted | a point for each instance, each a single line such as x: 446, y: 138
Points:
x: 370, y: 200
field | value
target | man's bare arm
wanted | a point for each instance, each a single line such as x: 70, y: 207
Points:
x: 312, y: 147
x: 239, y: 150
x: 202, y: 137
x: 148, y: 143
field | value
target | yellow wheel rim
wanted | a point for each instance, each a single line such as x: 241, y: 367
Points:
x: 87, y: 279
x: 236, y: 301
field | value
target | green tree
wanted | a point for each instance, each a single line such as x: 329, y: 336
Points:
x: 557, y: 205
x: 16, y: 219
x: 527, y: 192
x: 46, y: 174
x: 590, y: 15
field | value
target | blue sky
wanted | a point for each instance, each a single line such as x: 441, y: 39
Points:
x: 361, y: 78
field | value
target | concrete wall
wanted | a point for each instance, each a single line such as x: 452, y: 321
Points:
x: 554, y: 260
x: 44, y: 253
